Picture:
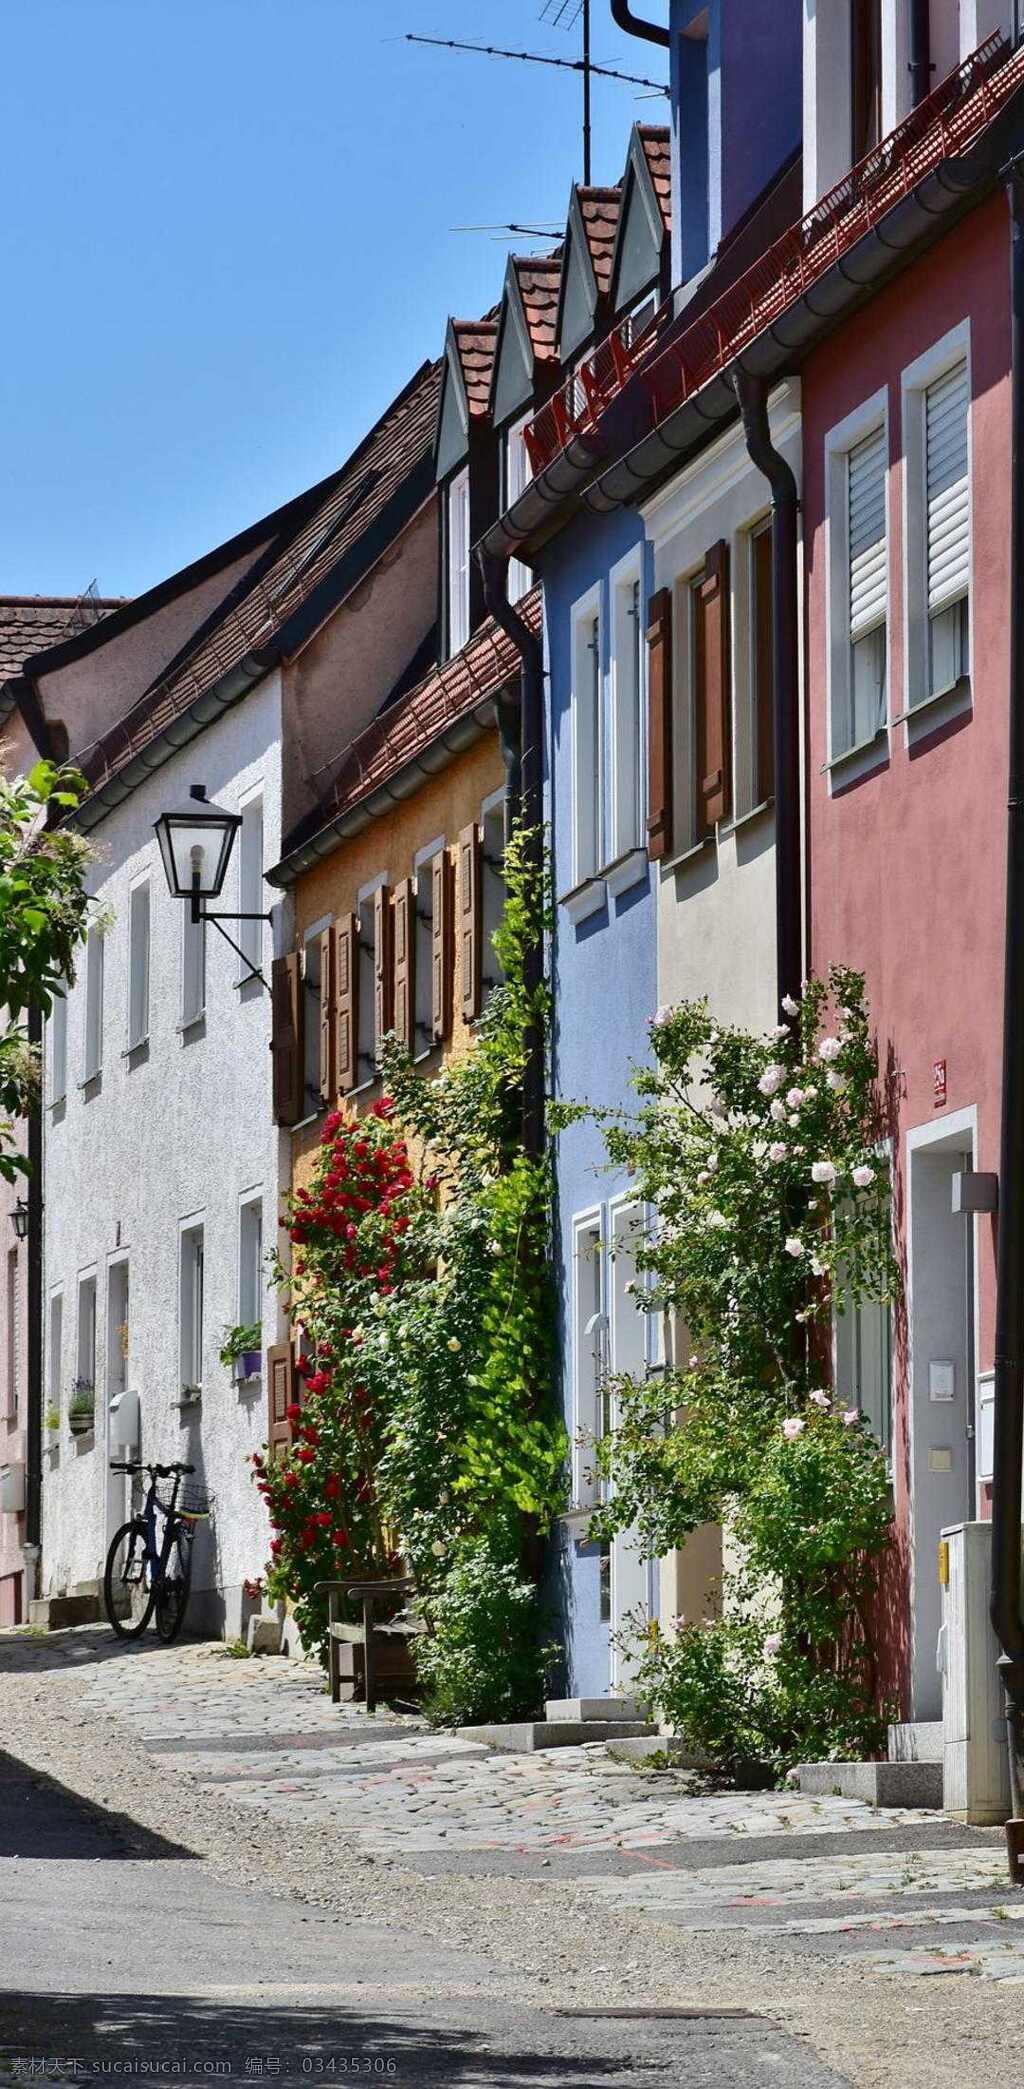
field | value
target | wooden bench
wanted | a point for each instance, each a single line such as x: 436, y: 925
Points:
x: 362, y: 1657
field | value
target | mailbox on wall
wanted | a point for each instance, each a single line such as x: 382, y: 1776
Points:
x: 124, y: 1421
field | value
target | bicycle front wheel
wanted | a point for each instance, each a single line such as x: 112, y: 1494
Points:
x: 127, y: 1590
x: 175, y: 1583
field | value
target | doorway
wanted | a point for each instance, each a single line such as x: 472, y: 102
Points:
x: 941, y: 1302
x: 118, y: 1311
x: 629, y: 1569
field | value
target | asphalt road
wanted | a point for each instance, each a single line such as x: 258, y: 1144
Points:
x: 125, y: 1956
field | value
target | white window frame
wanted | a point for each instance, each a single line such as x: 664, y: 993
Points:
x: 140, y: 936
x: 118, y: 1299
x: 191, y: 1300
x: 366, y: 961
x: 587, y: 709
x: 251, y: 847
x: 628, y: 711
x: 59, y: 1049
x: 55, y: 1349
x: 251, y: 1284
x: 313, y: 1101
x: 86, y: 1352
x: 747, y: 797
x: 915, y: 380
x: 518, y: 473
x: 93, y: 1040
x: 457, y: 549
x: 589, y: 1252
x: 423, y: 930
x: 871, y: 415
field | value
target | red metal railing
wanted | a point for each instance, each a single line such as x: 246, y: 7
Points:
x: 945, y: 123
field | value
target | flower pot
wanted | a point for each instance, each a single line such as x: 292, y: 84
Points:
x: 249, y: 1363
x: 82, y: 1424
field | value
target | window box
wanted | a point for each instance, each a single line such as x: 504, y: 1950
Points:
x: 585, y: 899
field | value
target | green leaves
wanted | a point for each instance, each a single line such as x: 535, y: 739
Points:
x: 43, y: 908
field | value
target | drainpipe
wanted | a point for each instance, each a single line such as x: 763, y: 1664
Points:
x: 34, y: 1346
x: 752, y: 393
x: 624, y: 18
x: 530, y: 649
x: 920, y: 51
x: 1008, y: 1420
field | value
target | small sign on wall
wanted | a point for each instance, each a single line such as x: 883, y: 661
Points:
x: 938, y: 1082
x: 941, y: 1381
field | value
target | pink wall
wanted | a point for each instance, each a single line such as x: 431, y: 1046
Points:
x: 906, y: 866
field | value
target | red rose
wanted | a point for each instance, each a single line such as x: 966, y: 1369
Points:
x: 324, y: 1519
x: 332, y: 1486
x: 340, y: 1538
x: 294, y: 1411
x: 305, y: 1456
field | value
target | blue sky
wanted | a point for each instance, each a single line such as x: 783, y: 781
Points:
x: 227, y: 239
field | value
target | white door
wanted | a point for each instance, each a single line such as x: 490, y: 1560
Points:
x: 941, y: 1391
x: 630, y: 1570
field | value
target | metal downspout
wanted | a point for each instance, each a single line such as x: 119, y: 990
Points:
x: 34, y: 1345
x: 752, y: 393
x: 650, y: 32
x: 531, y: 803
x: 1008, y: 1418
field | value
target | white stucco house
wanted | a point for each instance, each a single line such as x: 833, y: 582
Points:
x: 163, y: 1167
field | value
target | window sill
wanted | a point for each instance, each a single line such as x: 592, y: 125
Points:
x: 755, y: 812
x: 627, y: 869
x: 585, y: 899
x: 931, y: 712
x: 136, y: 1054
x: 690, y: 855
x: 303, y: 1123
x: 186, y: 1401
x: 858, y: 761
x: 190, y: 1024
x: 92, y: 1084
x: 576, y: 1523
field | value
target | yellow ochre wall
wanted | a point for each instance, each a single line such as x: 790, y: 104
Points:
x: 445, y: 804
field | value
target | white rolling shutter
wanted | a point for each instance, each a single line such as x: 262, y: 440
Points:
x: 866, y: 494
x: 948, y: 494
x: 458, y: 563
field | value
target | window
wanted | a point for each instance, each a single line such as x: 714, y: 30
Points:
x: 11, y: 1359
x: 947, y: 528
x: 637, y: 321
x: 864, y: 1365
x: 190, y: 1317
x: 492, y: 833
x: 86, y: 1364
x: 426, y: 987
x: 58, y: 1049
x: 138, y: 965
x: 458, y: 562
x: 628, y: 737
x: 366, y: 913
x: 313, y: 1099
x: 758, y: 753
x: 54, y: 1359
x: 193, y: 969
x: 857, y: 493
x: 117, y: 1327
x: 250, y: 887
x: 250, y: 1262
x: 518, y: 474
x: 93, y: 1005
x: 588, y: 835
x: 865, y: 77
x: 590, y: 1360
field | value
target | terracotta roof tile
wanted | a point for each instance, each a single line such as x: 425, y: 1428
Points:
x: 656, y: 140
x: 599, y: 209
x: 31, y: 623
x: 402, y: 439
x: 450, y: 692
x: 539, y: 276
x: 475, y: 342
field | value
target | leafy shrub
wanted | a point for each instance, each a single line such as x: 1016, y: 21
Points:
x: 483, y: 1658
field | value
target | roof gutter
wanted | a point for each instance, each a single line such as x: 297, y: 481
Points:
x: 649, y: 32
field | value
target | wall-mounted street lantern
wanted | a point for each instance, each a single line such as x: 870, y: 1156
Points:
x: 196, y: 841
x: 19, y: 1219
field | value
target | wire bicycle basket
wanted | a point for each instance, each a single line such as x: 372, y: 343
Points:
x: 195, y: 1504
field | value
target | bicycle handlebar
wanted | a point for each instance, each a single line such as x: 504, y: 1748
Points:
x: 156, y: 1472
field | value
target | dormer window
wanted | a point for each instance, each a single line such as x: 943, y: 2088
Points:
x: 457, y: 535
x: 517, y: 476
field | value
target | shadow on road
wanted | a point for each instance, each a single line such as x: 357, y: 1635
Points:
x: 29, y: 1653
x: 41, y: 1818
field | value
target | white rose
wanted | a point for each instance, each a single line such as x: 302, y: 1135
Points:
x: 717, y: 1219
x: 777, y: 1152
x: 712, y: 1163
x: 793, y: 1118
x: 863, y: 1175
x: 794, y: 1246
x: 661, y: 1015
x: 834, y: 1080
x: 795, y: 1097
x: 771, y: 1079
x: 823, y: 1171
x: 830, y: 1048
x: 821, y: 1400
x: 778, y: 1112
x: 781, y: 1030
x: 791, y: 1007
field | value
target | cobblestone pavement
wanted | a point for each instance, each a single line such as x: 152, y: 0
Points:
x: 553, y: 1863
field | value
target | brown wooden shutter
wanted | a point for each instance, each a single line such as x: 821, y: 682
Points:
x: 282, y: 1393
x: 287, y: 1039
x: 659, y: 724
x: 764, y: 668
x: 713, y: 705
x: 441, y: 947
x: 383, y: 965
x: 404, y: 926
x: 471, y: 919
x: 328, y: 1085
x: 346, y: 1002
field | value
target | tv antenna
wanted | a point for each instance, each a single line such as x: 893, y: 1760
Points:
x: 583, y: 65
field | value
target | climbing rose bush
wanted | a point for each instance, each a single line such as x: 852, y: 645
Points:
x: 761, y: 1164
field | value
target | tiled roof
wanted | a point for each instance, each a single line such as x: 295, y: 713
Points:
x: 30, y: 623
x: 657, y: 144
x: 539, y: 276
x: 400, y: 735
x: 475, y: 341
x: 280, y: 584
x: 599, y: 210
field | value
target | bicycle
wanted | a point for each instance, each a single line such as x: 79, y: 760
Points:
x: 142, y: 1576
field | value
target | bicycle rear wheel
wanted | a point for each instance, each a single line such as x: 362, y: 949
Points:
x: 127, y: 1590
x: 172, y: 1593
